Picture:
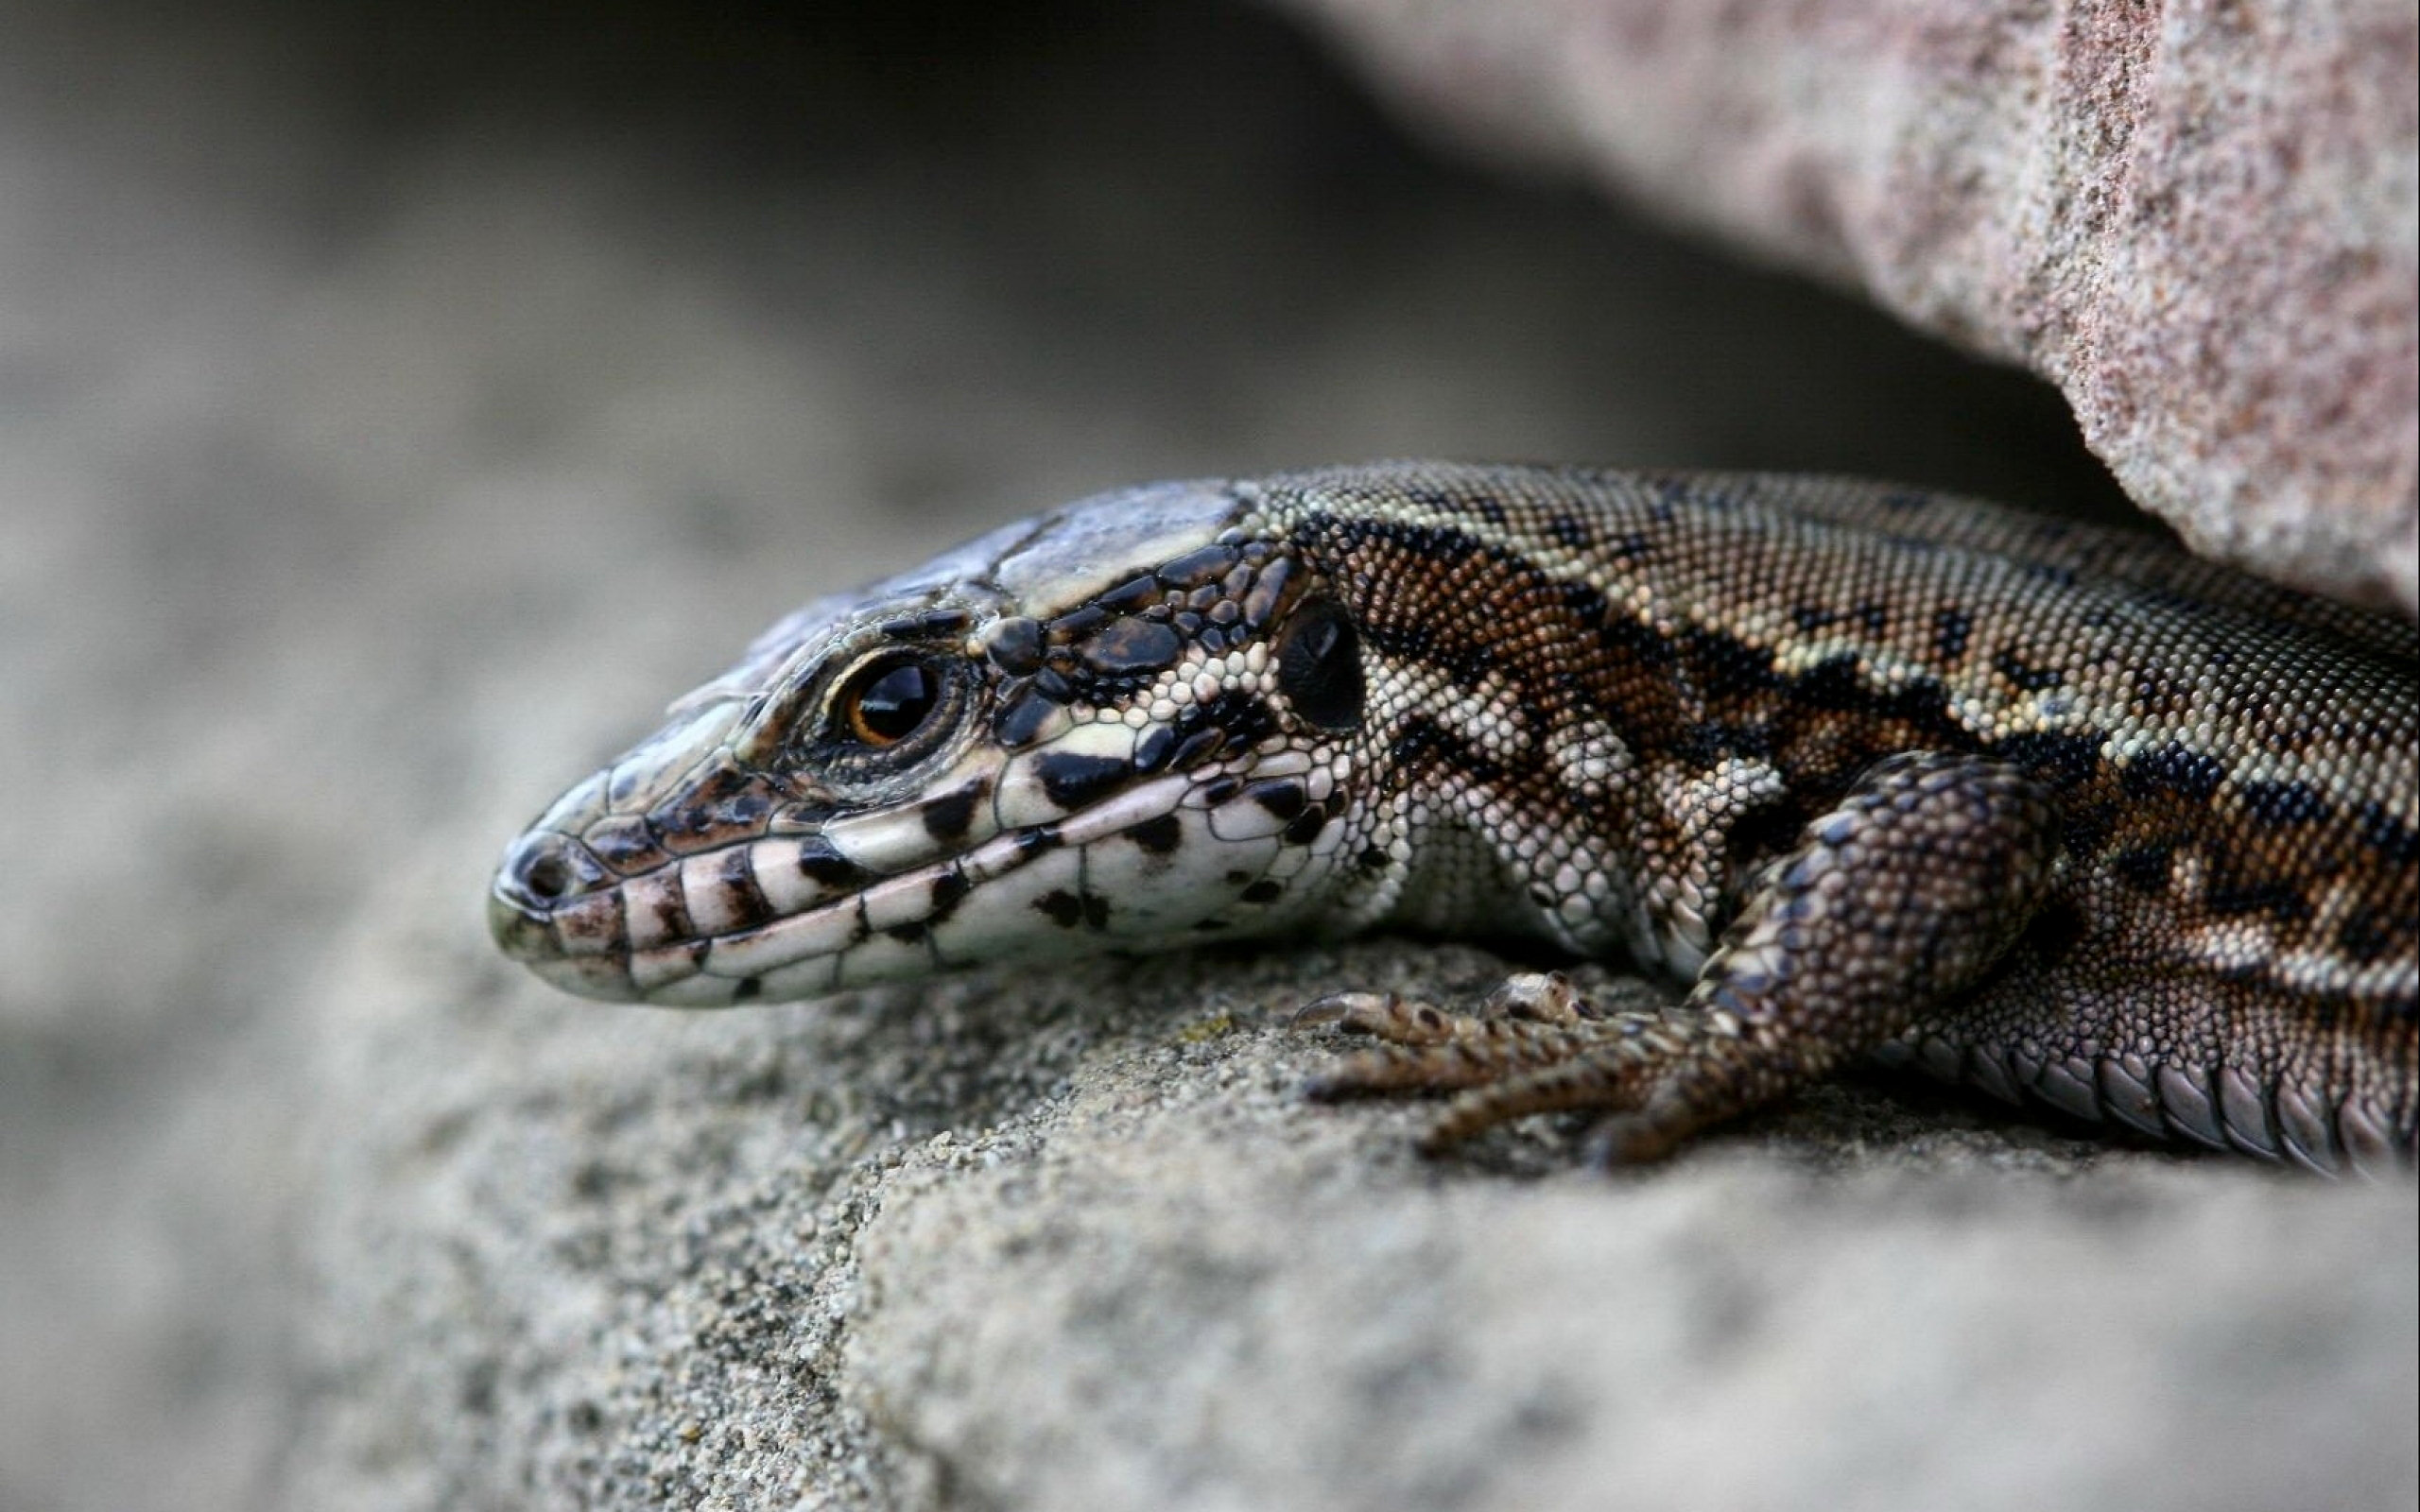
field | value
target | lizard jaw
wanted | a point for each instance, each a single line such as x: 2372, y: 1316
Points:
x: 1101, y: 871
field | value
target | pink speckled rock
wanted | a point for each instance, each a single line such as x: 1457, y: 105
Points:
x: 2197, y: 220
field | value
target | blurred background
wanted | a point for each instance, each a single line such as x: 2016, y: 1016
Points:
x: 399, y: 403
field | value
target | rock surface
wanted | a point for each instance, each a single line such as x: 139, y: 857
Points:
x: 1073, y: 1243
x: 389, y: 434
x: 2198, y: 221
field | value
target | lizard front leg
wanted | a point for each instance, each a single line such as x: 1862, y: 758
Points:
x: 1892, y: 904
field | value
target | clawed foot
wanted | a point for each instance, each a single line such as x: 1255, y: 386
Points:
x: 1536, y: 1045
x: 1901, y: 897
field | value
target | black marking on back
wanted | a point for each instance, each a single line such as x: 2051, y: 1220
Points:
x: 2173, y: 768
x: 2025, y: 677
x: 1720, y: 667
x: 2285, y: 804
x: 1422, y: 743
x: 2057, y: 929
x: 2088, y: 826
x: 2144, y: 867
x: 2276, y: 896
x: 2385, y: 833
x: 1952, y: 628
x: 2062, y: 760
x: 2367, y: 935
x: 1833, y: 685
x: 1706, y: 742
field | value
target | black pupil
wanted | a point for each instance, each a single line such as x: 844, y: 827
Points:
x: 892, y: 705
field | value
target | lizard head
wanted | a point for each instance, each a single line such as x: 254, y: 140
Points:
x: 1133, y: 722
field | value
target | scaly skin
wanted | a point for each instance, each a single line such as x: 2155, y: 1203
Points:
x: 2056, y: 812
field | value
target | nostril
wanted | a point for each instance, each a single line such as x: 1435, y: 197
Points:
x: 543, y: 870
x: 547, y: 877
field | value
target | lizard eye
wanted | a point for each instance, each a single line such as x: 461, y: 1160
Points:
x: 878, y: 716
x: 1318, y: 664
x: 887, y: 700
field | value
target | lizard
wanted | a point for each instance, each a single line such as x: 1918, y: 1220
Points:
x: 2056, y: 811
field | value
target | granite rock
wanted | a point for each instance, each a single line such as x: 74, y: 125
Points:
x: 2196, y: 219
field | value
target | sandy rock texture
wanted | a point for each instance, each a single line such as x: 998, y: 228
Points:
x: 1072, y: 1242
x: 2197, y: 220
x: 398, y: 404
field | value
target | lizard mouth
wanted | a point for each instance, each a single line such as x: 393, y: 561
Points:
x: 792, y: 915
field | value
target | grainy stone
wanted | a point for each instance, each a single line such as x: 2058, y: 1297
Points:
x: 2198, y: 221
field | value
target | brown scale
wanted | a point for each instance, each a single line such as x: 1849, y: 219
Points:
x: 2210, y: 938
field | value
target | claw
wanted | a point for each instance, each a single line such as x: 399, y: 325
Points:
x: 1396, y: 1020
x: 1334, y: 1008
